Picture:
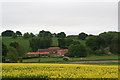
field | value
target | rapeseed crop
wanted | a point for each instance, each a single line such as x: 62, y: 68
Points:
x: 46, y: 70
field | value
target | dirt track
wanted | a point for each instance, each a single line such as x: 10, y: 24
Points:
x: 95, y: 61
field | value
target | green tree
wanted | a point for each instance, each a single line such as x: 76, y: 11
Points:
x: 82, y: 36
x: 61, y: 35
x: 44, y: 34
x: 7, y: 33
x: 4, y: 52
x: 20, y: 50
x: 4, y: 49
x: 18, y: 33
x: 14, y: 44
x: 78, y: 50
x: 12, y: 54
x: 40, y: 43
x: 26, y: 35
x: 94, y: 42
x: 14, y: 35
x: 61, y: 42
x: 32, y: 35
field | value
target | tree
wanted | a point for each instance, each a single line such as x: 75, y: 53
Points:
x: 32, y: 35
x: 40, y: 43
x: 7, y: 33
x: 12, y: 54
x: 14, y: 44
x: 82, y: 36
x: 26, y: 35
x: 44, y: 34
x: 94, y: 42
x: 61, y: 42
x: 78, y: 50
x: 18, y: 33
x: 19, y: 49
x: 4, y: 49
x: 68, y: 42
x: 107, y: 38
x: 4, y: 52
x: 115, y: 44
x: 14, y: 35
x: 61, y: 35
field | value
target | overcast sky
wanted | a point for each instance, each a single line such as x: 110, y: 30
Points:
x: 72, y: 17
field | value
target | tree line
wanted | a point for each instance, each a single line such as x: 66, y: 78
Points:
x: 81, y: 45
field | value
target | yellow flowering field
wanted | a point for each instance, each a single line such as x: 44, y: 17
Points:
x: 47, y: 70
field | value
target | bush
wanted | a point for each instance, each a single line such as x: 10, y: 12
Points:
x: 66, y: 58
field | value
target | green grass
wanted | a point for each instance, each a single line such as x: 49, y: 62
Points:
x: 60, y: 60
x: 24, y: 42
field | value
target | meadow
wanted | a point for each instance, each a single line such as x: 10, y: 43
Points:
x: 24, y: 42
x: 51, y: 70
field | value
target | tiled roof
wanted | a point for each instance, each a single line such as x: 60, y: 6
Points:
x: 35, y: 53
x: 54, y: 48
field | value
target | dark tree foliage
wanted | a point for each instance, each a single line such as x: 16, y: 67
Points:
x: 18, y: 33
x: 18, y: 47
x: 44, y: 34
x: 82, y: 36
x: 32, y: 35
x: 8, y: 33
x: 61, y: 35
x: 78, y: 50
x: 115, y: 44
x: 94, y: 42
x: 61, y: 42
x: 40, y: 43
x: 4, y: 49
x: 14, y: 44
x: 26, y: 35
x: 66, y: 42
x: 107, y: 38
x: 14, y: 35
x: 12, y: 54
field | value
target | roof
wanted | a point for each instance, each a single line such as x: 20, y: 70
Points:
x: 35, y: 53
x: 54, y: 48
x: 62, y: 50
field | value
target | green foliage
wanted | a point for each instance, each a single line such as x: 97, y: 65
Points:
x: 44, y: 34
x: 12, y: 54
x: 82, y: 36
x: 14, y: 35
x: 26, y: 35
x: 94, y: 42
x: 61, y: 42
x: 4, y: 49
x: 8, y: 33
x: 61, y: 35
x: 19, y: 48
x: 78, y: 50
x: 66, y: 58
x: 32, y: 35
x: 40, y: 43
x: 66, y: 42
x: 14, y: 44
x: 18, y: 33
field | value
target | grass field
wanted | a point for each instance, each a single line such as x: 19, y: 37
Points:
x: 24, y: 42
x: 60, y: 60
x: 47, y: 71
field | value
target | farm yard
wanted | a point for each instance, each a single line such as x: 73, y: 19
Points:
x: 50, y: 70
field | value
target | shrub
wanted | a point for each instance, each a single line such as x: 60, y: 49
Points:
x: 66, y: 58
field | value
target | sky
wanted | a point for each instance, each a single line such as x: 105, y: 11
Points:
x: 69, y: 16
